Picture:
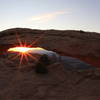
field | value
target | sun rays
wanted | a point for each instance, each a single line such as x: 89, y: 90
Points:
x: 22, y: 49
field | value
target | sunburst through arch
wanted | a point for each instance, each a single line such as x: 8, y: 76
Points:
x: 22, y: 49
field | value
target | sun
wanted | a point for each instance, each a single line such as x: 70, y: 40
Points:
x: 22, y: 50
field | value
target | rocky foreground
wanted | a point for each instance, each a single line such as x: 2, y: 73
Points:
x: 22, y: 82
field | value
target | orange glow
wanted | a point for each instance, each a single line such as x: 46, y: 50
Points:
x: 22, y: 49
x: 19, y: 49
x: 22, y: 53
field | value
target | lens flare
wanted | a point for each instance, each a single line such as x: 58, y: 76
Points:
x: 22, y: 49
x: 22, y: 53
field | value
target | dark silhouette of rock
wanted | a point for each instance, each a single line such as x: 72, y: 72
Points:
x: 44, y: 59
x: 41, y: 66
x: 5, y: 47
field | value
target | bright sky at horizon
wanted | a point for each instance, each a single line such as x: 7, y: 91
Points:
x: 50, y: 14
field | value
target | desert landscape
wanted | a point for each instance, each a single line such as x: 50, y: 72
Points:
x: 21, y: 82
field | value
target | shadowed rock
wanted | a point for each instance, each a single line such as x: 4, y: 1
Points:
x: 75, y: 64
x: 41, y: 66
x: 4, y: 48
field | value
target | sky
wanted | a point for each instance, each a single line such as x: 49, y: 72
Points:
x: 50, y: 14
